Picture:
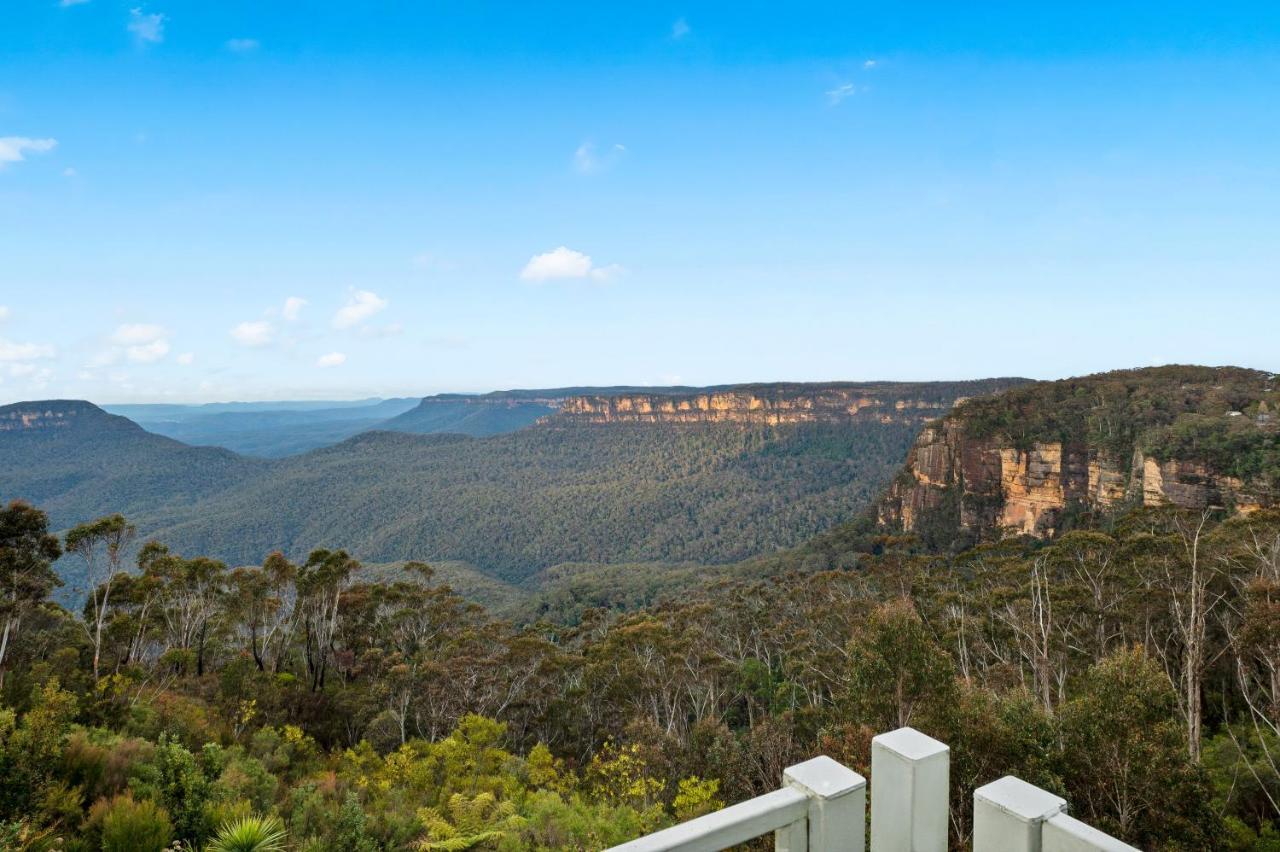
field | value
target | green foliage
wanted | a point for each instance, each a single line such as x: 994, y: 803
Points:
x: 121, y: 824
x: 696, y: 796
x: 249, y: 834
x: 1127, y: 769
x: 180, y: 781
x: 897, y: 673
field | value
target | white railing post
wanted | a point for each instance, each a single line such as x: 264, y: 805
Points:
x: 837, y: 804
x: 1008, y: 814
x: 1063, y: 833
x: 910, y: 775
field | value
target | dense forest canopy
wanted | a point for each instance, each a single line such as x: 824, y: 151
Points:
x: 1130, y: 662
x: 510, y: 505
x: 188, y: 699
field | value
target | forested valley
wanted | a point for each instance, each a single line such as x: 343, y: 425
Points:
x: 1132, y: 666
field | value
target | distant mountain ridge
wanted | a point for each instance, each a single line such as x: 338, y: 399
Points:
x: 266, y: 429
x: 512, y: 504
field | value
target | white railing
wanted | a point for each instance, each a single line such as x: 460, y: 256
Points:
x: 822, y: 808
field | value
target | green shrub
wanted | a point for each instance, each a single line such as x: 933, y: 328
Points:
x: 121, y: 824
x: 250, y: 834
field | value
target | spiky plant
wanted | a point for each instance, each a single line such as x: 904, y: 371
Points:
x: 249, y: 834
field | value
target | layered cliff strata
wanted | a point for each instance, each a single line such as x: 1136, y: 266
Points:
x: 44, y: 417
x: 771, y: 405
x: 987, y: 486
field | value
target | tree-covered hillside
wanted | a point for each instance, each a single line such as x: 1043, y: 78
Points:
x: 511, y: 505
x: 514, y: 504
x: 1130, y: 669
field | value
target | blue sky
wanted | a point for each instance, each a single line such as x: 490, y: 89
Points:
x: 249, y: 200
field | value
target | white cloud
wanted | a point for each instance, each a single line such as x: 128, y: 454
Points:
x: 147, y: 353
x: 147, y: 28
x: 680, y: 29
x: 292, y: 309
x: 839, y: 93
x: 186, y: 359
x: 333, y: 359
x: 253, y: 334
x: 69, y: 172
x: 242, y: 45
x: 65, y: 3
x: 134, y: 334
x: 5, y: 313
x: 11, y: 350
x: 564, y: 262
x: 587, y: 160
x: 870, y: 63
x: 359, y: 307
x: 12, y: 148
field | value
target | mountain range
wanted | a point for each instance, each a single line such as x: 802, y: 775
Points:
x: 571, y: 475
x: 614, y: 496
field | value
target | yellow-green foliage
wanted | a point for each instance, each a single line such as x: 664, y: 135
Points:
x: 696, y: 796
x: 618, y: 774
x: 469, y: 822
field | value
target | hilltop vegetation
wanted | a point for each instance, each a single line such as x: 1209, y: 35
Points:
x: 299, y: 698
x: 512, y: 504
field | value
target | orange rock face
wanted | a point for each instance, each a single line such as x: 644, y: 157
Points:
x: 1002, y: 489
x: 824, y: 406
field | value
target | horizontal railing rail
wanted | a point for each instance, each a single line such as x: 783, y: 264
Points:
x: 822, y: 808
x: 779, y: 810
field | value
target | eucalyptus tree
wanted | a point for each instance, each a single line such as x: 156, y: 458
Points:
x: 27, y: 553
x: 102, y: 545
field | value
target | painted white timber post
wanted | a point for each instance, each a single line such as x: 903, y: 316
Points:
x: 910, y: 775
x: 1008, y: 815
x: 1063, y: 833
x: 837, y: 804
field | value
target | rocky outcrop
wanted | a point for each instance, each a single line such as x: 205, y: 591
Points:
x: 47, y: 416
x: 979, y: 481
x: 771, y: 405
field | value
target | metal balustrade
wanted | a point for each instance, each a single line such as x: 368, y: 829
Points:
x: 821, y: 807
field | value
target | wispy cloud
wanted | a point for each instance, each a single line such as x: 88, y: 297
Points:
x: 840, y: 93
x: 361, y: 305
x: 292, y: 310
x: 142, y: 343
x: 13, y: 148
x: 254, y: 334
x: 147, y: 353
x: 333, y: 359
x: 5, y: 313
x: 587, y: 160
x: 680, y: 29
x: 242, y: 45
x: 186, y: 359
x: 11, y: 350
x: 147, y: 27
x: 564, y: 262
x: 65, y: 3
x: 133, y: 334
x: 870, y: 63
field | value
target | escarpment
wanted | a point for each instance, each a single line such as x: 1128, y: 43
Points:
x: 1021, y: 463
x: 778, y: 404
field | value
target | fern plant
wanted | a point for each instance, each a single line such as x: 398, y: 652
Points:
x: 249, y: 834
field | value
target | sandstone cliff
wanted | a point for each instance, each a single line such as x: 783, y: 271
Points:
x: 778, y: 404
x: 48, y: 416
x: 1020, y: 464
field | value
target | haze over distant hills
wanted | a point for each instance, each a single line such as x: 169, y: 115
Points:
x: 606, y: 475
x: 268, y: 429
